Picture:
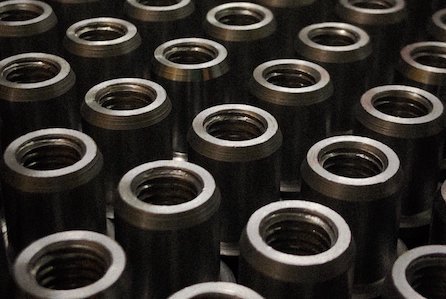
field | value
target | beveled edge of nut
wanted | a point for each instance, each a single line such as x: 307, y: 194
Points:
x: 129, y: 119
x: 401, y: 127
x: 350, y: 13
x: 436, y: 26
x: 39, y: 91
x: 218, y: 149
x: 298, y: 268
x: 29, y: 285
x: 225, y: 289
x: 161, y: 13
x: 239, y: 33
x: 125, y: 44
x: 385, y: 184
x: 286, y: 3
x: 357, y: 51
x: 263, y: 90
x: 40, y: 24
x: 56, y: 180
x: 167, y: 217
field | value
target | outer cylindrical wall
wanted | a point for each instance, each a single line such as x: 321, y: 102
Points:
x: 438, y: 225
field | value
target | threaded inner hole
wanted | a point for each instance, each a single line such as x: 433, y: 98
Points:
x: 239, y: 16
x: 235, y: 125
x: 19, y: 12
x: 125, y: 96
x: 427, y: 276
x: 409, y: 106
x: 290, y: 77
x: 167, y: 186
x: 373, y: 4
x: 158, y: 2
x: 298, y: 232
x: 190, y: 53
x: 71, y: 265
x: 353, y: 162
x: 101, y: 31
x: 27, y: 71
x: 50, y: 152
x: 333, y: 36
x: 433, y: 57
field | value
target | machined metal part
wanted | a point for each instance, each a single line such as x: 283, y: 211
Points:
x: 5, y: 277
x: 291, y: 17
x: 438, y: 225
x: 223, y: 290
x: 130, y: 121
x: 418, y: 274
x: 247, y: 31
x: 361, y: 179
x: 297, y: 249
x: 168, y: 212
x: 411, y: 121
x: 203, y: 6
x: 37, y: 90
x: 226, y: 274
x: 103, y: 48
x: 437, y: 25
x: 194, y: 72
x: 72, y: 265
x: 240, y: 146
x: 299, y: 95
x: 385, y: 22
x: 27, y: 26
x: 51, y: 183
x: 344, y: 50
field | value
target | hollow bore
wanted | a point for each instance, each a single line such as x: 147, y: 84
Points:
x: 333, y: 37
x: 19, y: 12
x: 158, y: 2
x: 71, y: 266
x: 101, y: 31
x: 49, y: 153
x: 430, y: 57
x: 427, y: 276
x: 373, y: 4
x: 290, y: 77
x: 167, y: 186
x: 190, y: 54
x: 298, y: 232
x: 239, y: 16
x: 30, y: 70
x: 235, y: 125
x: 405, y: 107
x: 125, y: 97
x: 352, y: 162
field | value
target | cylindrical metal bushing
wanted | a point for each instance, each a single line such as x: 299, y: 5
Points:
x: 51, y: 184
x: 437, y: 26
x: 291, y: 17
x: 130, y: 116
x: 246, y: 30
x: 360, y: 178
x: 418, y: 274
x: 194, y: 73
x: 100, y: 49
x: 240, y: 146
x: 37, y: 91
x: 72, y: 265
x: 298, y: 94
x: 344, y: 50
x: 5, y: 277
x: 27, y: 26
x: 222, y: 290
x: 161, y: 21
x: 297, y: 249
x: 423, y: 65
x: 168, y: 211
x: 385, y: 22
x: 438, y: 225
x: 411, y: 121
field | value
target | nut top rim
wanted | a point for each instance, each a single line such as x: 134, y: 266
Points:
x: 437, y: 26
x: 161, y: 13
x: 262, y: 89
x: 45, y: 21
x: 228, y: 289
x: 126, y: 119
x: 348, y: 11
x: 127, y: 38
x: 26, y: 280
x: 357, y: 48
x: 264, y: 26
